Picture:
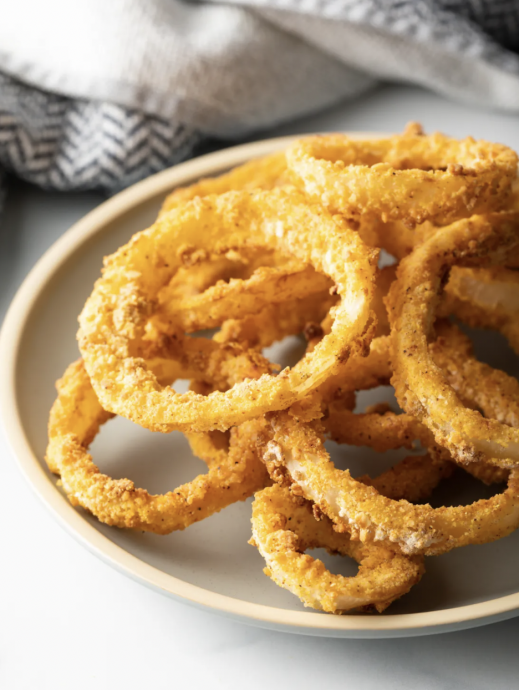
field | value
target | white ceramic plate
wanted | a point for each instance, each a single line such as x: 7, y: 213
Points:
x: 210, y: 564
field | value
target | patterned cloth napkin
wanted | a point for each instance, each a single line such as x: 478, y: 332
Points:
x: 96, y: 94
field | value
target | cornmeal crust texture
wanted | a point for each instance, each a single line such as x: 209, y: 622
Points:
x: 235, y: 471
x: 420, y: 387
x: 409, y: 177
x: 260, y: 173
x: 367, y: 515
x: 283, y: 531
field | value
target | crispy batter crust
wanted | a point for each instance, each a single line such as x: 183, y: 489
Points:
x: 420, y: 385
x: 283, y: 531
x: 276, y: 321
x: 114, y: 318
x: 409, y: 177
x: 234, y: 472
x: 370, y: 517
x: 261, y: 173
x: 267, y: 286
x: 385, y: 430
x: 485, y: 298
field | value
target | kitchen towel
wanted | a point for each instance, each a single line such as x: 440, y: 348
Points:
x: 97, y: 94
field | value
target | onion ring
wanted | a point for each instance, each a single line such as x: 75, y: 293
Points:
x: 367, y: 515
x: 480, y: 297
x: 113, y: 320
x: 260, y: 173
x: 452, y: 351
x: 392, y: 178
x: 382, y: 432
x: 399, y: 240
x: 420, y: 386
x: 283, y: 531
x: 234, y: 473
x: 412, y: 479
x: 193, y: 279
x: 221, y: 364
x: 499, y: 398
x: 388, y: 431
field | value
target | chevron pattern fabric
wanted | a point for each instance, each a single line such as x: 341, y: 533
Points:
x: 64, y: 143
x: 497, y: 18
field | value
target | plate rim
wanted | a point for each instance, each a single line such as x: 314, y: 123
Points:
x: 11, y: 334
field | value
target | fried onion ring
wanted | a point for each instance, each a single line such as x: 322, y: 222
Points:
x: 452, y: 351
x: 277, y: 321
x: 412, y: 479
x: 235, y: 472
x: 192, y: 280
x: 409, y: 177
x: 283, y: 531
x: 420, y: 385
x: 480, y: 297
x: 113, y: 321
x: 399, y: 240
x: 485, y: 298
x: 260, y: 173
x: 367, y: 515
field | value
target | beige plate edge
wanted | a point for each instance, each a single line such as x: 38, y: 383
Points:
x: 309, y: 623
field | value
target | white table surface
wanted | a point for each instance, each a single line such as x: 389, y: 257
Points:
x: 69, y: 621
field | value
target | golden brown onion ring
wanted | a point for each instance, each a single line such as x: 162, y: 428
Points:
x: 399, y: 240
x: 192, y: 280
x: 283, y: 531
x: 389, y: 431
x: 420, y: 385
x: 260, y: 173
x: 412, y: 479
x: 382, y: 432
x: 221, y: 364
x: 368, y: 516
x: 113, y: 321
x: 235, y: 472
x: 409, y: 177
x: 452, y: 351
x: 394, y: 237
x: 360, y: 373
x: 201, y: 271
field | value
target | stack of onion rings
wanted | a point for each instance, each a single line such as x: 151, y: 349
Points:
x: 287, y: 245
